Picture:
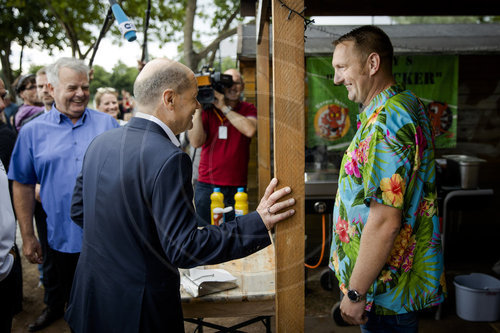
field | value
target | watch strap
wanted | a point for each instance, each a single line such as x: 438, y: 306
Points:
x: 226, y: 109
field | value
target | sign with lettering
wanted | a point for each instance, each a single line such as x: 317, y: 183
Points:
x: 434, y: 79
x: 332, y: 116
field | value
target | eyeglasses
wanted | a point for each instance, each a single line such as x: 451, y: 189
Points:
x: 20, y: 85
x: 30, y: 87
x: 4, y: 94
x: 106, y: 90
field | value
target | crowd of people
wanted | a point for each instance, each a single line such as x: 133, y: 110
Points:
x: 117, y: 214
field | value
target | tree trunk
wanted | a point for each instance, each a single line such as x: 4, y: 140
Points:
x: 189, y: 54
x: 6, y: 68
x: 21, y: 60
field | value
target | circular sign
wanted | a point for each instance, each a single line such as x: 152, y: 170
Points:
x: 332, y: 122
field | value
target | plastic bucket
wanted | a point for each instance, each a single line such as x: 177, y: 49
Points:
x: 477, y: 297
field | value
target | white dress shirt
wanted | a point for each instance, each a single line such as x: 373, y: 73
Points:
x: 167, y: 130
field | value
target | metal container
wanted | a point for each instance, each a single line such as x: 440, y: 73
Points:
x: 467, y: 167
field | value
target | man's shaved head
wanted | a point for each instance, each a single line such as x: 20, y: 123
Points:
x: 159, y: 75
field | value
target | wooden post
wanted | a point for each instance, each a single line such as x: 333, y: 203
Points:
x: 263, y: 129
x: 289, y: 160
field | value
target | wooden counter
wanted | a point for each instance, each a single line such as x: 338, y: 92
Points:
x: 253, y: 297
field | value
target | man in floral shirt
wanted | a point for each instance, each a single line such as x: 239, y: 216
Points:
x: 386, y: 250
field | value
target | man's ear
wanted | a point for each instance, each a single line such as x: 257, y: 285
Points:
x: 168, y: 98
x: 50, y: 87
x: 373, y: 63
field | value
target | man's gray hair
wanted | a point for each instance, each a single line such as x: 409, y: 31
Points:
x: 149, y: 90
x: 41, y: 71
x: 72, y: 63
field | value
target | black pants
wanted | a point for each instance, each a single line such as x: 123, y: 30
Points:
x: 54, y: 294
x: 65, y: 266
x: 11, y: 291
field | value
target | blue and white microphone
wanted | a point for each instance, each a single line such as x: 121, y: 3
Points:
x: 126, y: 26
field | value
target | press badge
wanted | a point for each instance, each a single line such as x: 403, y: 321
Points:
x: 223, y: 132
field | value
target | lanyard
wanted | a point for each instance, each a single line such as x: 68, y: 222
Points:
x: 218, y: 116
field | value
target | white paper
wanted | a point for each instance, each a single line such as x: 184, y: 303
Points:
x: 199, y: 281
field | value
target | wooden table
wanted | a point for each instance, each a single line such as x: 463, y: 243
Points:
x: 254, y: 296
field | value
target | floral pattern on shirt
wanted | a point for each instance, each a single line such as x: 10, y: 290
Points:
x: 391, y: 160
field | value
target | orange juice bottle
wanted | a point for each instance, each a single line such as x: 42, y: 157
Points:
x: 217, y: 199
x: 240, y: 202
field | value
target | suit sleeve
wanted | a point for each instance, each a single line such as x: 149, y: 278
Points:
x: 184, y: 244
x: 77, y: 202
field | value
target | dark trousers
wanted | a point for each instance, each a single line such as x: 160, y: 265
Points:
x: 202, y: 201
x: 65, y: 266
x: 11, y: 295
x: 401, y: 323
x: 54, y: 294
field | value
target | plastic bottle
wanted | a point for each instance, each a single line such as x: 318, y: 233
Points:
x: 217, y: 201
x: 240, y: 202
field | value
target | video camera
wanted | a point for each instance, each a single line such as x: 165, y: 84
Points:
x: 208, y: 81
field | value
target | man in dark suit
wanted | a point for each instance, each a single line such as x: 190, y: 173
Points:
x: 134, y: 200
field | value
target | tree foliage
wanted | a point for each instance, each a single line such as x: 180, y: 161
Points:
x: 57, y: 24
x: 29, y: 24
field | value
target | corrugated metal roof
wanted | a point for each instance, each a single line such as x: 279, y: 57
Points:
x: 406, y: 39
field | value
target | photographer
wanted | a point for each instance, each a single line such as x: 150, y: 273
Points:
x: 224, y: 132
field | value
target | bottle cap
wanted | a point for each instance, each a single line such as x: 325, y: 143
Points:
x: 216, y: 189
x: 241, y: 189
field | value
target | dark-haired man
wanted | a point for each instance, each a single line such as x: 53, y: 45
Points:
x: 26, y: 89
x: 386, y: 248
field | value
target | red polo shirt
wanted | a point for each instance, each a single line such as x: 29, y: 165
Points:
x: 225, y: 161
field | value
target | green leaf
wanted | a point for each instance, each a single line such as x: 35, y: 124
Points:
x: 406, y: 135
x: 360, y: 197
x: 342, y: 212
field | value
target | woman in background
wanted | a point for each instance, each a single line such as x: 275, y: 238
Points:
x: 106, y: 100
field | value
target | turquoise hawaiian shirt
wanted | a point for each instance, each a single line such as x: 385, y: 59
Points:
x: 391, y: 160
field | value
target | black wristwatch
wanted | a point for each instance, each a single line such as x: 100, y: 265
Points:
x: 354, y: 296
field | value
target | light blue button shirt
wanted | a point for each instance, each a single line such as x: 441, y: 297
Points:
x: 49, y: 150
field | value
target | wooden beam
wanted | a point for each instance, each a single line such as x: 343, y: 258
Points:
x: 289, y: 160
x: 262, y: 16
x: 263, y: 120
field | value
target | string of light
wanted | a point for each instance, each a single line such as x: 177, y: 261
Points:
x: 405, y: 48
x: 291, y: 11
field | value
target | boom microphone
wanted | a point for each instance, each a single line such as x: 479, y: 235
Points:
x: 126, y: 26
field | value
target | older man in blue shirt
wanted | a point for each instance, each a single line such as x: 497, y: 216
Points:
x: 49, y: 151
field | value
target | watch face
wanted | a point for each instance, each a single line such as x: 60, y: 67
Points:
x: 353, y: 295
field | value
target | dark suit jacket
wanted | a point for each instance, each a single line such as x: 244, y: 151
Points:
x: 134, y: 200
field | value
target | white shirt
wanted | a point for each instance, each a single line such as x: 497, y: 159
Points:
x: 7, y: 226
x: 167, y: 130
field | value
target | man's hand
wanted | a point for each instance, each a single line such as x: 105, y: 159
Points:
x: 353, y: 313
x: 269, y: 206
x: 32, y: 250
x: 37, y: 193
x: 219, y: 100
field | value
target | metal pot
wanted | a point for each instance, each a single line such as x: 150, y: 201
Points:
x: 465, y: 166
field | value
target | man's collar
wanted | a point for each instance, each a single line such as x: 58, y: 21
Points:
x: 167, y: 130
x: 58, y: 116
x: 378, y: 101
